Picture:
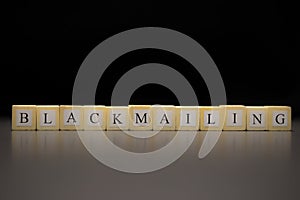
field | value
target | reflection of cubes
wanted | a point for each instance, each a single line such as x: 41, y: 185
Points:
x: 117, y: 118
x: 256, y: 118
x: 140, y: 117
x: 23, y: 117
x: 211, y: 117
x: 163, y: 117
x: 94, y: 117
x: 235, y: 117
x: 71, y: 117
x: 47, y: 117
x: 279, y: 117
x: 187, y: 118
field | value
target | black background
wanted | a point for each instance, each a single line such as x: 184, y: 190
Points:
x: 254, y: 45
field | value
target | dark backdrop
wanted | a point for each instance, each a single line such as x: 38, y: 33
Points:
x: 255, y: 46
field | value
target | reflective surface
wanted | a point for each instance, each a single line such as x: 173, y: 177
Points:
x: 242, y: 165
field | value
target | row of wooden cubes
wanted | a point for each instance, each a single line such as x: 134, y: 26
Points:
x: 150, y: 117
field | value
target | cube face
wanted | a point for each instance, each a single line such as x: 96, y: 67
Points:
x: 24, y: 117
x: 235, y: 117
x: 279, y: 118
x: 94, y: 117
x: 140, y: 117
x: 117, y: 118
x: 211, y: 117
x: 47, y: 117
x: 71, y: 117
x: 163, y: 117
x: 187, y: 118
x: 257, y: 118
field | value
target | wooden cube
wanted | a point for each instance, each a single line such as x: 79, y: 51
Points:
x: 47, y: 117
x: 117, y: 118
x: 140, y: 117
x: 211, y: 117
x: 257, y: 118
x: 94, y: 117
x: 71, y: 117
x: 24, y: 117
x: 235, y: 117
x: 279, y: 118
x: 187, y: 118
x: 163, y: 117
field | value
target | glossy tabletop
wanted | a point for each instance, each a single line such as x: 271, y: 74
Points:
x: 242, y: 165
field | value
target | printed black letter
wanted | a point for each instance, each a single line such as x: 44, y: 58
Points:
x: 24, y: 118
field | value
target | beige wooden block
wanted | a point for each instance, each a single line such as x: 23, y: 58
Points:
x: 140, y: 117
x: 235, y: 117
x: 256, y: 118
x: 24, y: 117
x: 211, y: 117
x: 187, y: 118
x: 117, y: 118
x: 71, y: 117
x: 279, y: 118
x: 163, y: 117
x: 47, y: 117
x: 94, y: 117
